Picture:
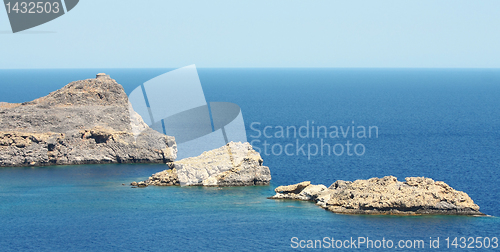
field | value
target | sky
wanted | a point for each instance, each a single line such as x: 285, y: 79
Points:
x: 260, y: 33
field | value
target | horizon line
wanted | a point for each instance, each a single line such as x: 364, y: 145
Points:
x: 92, y: 68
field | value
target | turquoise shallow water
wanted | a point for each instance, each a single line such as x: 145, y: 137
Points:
x: 441, y: 124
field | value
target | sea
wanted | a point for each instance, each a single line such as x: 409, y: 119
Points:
x: 438, y: 123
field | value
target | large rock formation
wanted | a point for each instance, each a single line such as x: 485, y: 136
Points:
x: 235, y: 164
x: 85, y: 122
x: 417, y: 195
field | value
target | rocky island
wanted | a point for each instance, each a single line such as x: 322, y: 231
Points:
x: 235, y: 164
x: 85, y: 122
x: 92, y: 122
x: 387, y: 195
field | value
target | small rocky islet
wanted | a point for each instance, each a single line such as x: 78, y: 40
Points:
x: 387, y: 195
x: 235, y: 164
x: 92, y: 122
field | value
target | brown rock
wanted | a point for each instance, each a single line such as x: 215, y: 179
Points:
x: 296, y: 188
x: 418, y: 195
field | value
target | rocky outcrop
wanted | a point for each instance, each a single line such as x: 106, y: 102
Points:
x: 417, y: 195
x: 235, y: 164
x: 85, y: 122
x: 164, y: 178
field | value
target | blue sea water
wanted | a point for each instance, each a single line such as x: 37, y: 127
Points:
x: 438, y: 123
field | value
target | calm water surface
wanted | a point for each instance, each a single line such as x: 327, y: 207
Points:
x: 442, y: 124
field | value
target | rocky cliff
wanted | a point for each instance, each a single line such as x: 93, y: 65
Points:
x: 235, y: 164
x: 417, y: 195
x: 85, y: 122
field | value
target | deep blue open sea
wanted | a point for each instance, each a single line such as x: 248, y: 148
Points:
x: 438, y: 123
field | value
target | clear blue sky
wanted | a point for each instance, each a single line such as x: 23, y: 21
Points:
x: 260, y: 33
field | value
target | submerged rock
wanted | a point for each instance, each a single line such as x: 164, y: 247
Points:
x: 86, y: 122
x: 235, y: 164
x: 417, y: 195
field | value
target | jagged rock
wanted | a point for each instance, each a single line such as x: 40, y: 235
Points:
x: 292, y: 189
x: 164, y: 178
x: 417, y: 195
x: 300, y: 191
x: 235, y: 164
x: 85, y: 122
x: 339, y: 184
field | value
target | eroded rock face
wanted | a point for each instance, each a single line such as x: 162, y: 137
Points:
x: 235, y: 164
x: 417, y: 195
x: 85, y: 122
x: 300, y: 191
x: 164, y: 178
